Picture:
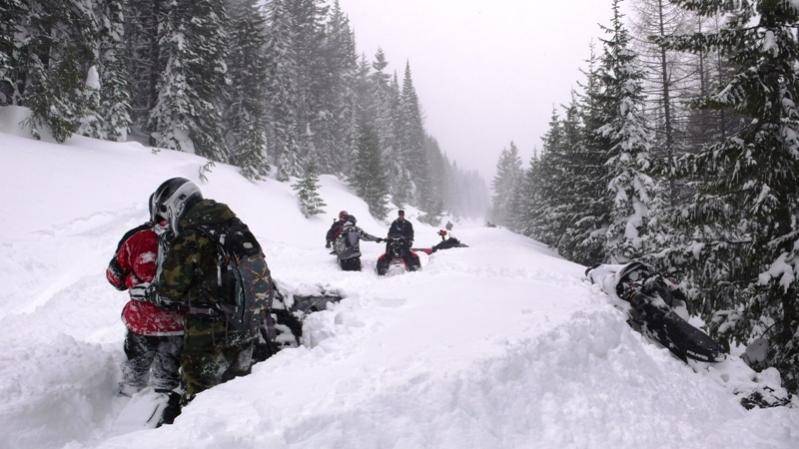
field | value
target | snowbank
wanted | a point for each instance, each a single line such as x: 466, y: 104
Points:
x: 500, y: 345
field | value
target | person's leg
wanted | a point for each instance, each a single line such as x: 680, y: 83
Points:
x: 140, y: 352
x: 165, y: 374
x: 202, y: 365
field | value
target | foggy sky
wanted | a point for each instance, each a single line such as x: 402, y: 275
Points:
x: 487, y: 71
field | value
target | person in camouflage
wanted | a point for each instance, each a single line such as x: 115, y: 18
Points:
x: 189, y: 278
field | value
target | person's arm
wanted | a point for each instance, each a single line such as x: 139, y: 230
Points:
x: 368, y: 237
x: 119, y: 268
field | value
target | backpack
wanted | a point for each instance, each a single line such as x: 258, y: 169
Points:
x: 351, y: 237
x: 244, y: 283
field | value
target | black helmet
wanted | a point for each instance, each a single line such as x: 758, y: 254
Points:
x: 351, y: 219
x: 173, y: 198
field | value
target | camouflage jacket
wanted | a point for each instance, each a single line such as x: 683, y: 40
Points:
x: 187, y: 274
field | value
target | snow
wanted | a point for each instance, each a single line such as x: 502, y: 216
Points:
x: 93, y: 78
x: 500, y: 345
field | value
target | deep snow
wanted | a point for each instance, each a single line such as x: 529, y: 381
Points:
x: 500, y: 345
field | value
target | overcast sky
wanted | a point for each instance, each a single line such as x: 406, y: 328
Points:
x: 487, y: 71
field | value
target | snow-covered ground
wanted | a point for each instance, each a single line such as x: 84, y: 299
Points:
x: 500, y: 345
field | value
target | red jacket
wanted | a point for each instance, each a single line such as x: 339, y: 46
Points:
x: 135, y: 263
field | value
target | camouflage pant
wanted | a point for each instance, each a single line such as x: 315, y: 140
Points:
x: 209, y: 358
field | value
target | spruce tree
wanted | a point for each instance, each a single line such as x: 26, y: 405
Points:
x: 115, y: 95
x: 743, y: 216
x: 509, y: 173
x: 57, y: 55
x: 282, y: 91
x: 628, y: 142
x: 245, y: 114
x: 411, y: 140
x: 307, y: 188
x: 187, y: 115
x: 584, y: 241
x: 369, y: 180
x: 11, y: 14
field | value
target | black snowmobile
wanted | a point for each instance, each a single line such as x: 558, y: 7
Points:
x: 653, y: 300
x: 286, y: 320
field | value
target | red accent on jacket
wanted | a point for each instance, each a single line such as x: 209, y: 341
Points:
x: 136, y: 263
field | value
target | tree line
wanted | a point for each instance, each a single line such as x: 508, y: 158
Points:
x: 680, y: 148
x: 276, y: 88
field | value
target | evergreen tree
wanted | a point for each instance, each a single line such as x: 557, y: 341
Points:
x: 11, y: 14
x: 743, y: 216
x: 57, y: 55
x: 584, y: 241
x: 282, y: 91
x: 629, y: 144
x: 245, y: 115
x: 369, y: 180
x: 509, y: 173
x: 187, y: 115
x: 307, y: 188
x: 115, y: 98
x: 412, y: 142
x: 337, y: 129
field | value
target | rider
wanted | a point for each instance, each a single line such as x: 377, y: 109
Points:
x: 335, y: 228
x: 347, y: 245
x: 447, y: 239
x: 402, y: 229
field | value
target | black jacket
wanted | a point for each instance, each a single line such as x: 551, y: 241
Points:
x: 401, y: 228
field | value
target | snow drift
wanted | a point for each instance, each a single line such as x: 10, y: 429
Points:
x: 500, y: 345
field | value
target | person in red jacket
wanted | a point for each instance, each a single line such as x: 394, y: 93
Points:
x: 155, y: 335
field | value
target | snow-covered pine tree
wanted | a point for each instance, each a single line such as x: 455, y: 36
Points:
x: 307, y: 188
x: 92, y: 123
x: 382, y: 111
x: 282, y: 91
x: 584, y: 241
x: 509, y: 173
x: 744, y: 217
x: 369, y: 179
x: 312, y: 79
x: 145, y: 22
x: 629, y: 143
x: 11, y: 14
x: 411, y: 138
x: 60, y: 38
x: 115, y: 97
x: 187, y: 115
x: 337, y: 133
x: 547, y: 221
x: 245, y: 113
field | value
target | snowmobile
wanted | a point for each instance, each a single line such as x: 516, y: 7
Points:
x: 287, y: 314
x: 653, y: 302
x: 446, y: 244
x: 398, y: 254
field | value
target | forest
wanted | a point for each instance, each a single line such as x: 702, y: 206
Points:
x: 680, y: 148
x: 276, y: 88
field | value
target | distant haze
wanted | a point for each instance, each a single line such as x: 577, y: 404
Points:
x: 487, y: 72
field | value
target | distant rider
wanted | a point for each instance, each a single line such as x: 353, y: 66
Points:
x: 347, y: 246
x: 335, y: 229
x: 401, y: 229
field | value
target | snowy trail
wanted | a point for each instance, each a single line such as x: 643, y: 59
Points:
x: 500, y: 345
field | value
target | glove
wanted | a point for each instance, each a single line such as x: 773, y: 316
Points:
x: 142, y: 292
x: 327, y: 244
